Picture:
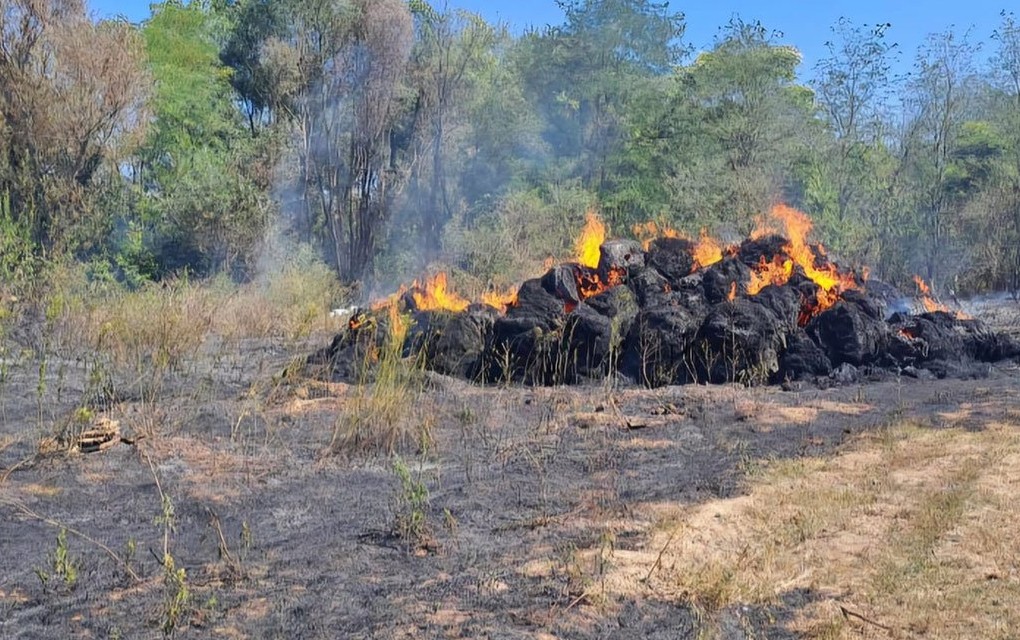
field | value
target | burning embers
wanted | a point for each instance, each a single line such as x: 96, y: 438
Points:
x: 671, y: 309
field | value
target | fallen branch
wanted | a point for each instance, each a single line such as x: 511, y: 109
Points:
x: 847, y: 614
x: 658, y: 559
x: 24, y: 509
x: 7, y: 472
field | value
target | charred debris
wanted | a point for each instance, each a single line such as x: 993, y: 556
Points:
x: 673, y: 310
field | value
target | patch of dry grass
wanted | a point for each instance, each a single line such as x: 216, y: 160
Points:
x: 160, y: 326
x: 391, y: 411
x: 156, y: 327
x: 905, y: 533
x: 291, y: 303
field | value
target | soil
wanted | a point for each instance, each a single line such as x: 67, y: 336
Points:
x: 522, y: 483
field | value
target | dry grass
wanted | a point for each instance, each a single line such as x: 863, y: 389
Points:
x: 162, y: 325
x: 156, y: 327
x: 906, y: 534
x: 291, y: 303
x: 390, y: 412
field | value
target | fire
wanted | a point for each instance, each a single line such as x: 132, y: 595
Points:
x: 398, y: 325
x: 777, y: 272
x: 590, y: 283
x: 589, y: 244
x: 646, y: 232
x: 359, y: 319
x: 433, y: 295
x: 831, y: 282
x: 501, y: 300
x: 707, y: 252
x: 929, y: 303
x: 797, y: 255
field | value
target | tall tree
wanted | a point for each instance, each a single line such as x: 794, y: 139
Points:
x: 938, y: 101
x: 742, y: 121
x: 1006, y: 78
x: 72, y: 102
x: 451, y: 47
x: 853, y: 90
x: 253, y: 51
x: 352, y: 58
x: 584, y: 74
x: 205, y: 208
x: 852, y: 87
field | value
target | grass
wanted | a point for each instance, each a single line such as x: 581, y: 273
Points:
x: 63, y: 565
x: 389, y: 412
x: 162, y: 325
x: 410, y: 508
x: 904, y: 533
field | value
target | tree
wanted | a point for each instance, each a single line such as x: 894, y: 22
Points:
x: 262, y: 76
x: 353, y: 57
x: 1006, y: 79
x: 852, y: 88
x: 451, y: 47
x: 204, y: 205
x: 584, y: 74
x: 938, y: 102
x: 72, y: 107
x: 741, y: 122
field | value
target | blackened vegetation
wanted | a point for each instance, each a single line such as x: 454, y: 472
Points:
x: 667, y: 322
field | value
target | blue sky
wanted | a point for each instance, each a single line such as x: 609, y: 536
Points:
x: 804, y: 23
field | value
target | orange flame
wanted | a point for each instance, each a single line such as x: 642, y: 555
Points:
x: 398, y: 324
x: 799, y: 253
x: 501, y: 300
x: 433, y: 295
x: 707, y: 252
x: 646, y: 232
x: 777, y: 272
x: 359, y: 320
x: 929, y: 303
x: 589, y: 244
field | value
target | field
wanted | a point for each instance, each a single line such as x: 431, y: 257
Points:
x: 244, y: 499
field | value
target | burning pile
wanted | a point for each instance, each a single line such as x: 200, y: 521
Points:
x: 669, y: 309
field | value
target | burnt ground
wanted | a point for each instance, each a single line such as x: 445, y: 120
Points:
x: 526, y: 485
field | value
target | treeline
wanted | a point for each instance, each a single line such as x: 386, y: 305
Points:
x: 389, y: 135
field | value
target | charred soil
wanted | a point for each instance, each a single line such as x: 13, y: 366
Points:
x: 513, y: 518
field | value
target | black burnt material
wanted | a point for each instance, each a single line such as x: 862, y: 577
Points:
x: 739, y: 341
x: 453, y: 344
x: 654, y: 318
x: 852, y: 331
x: 725, y: 279
x: 619, y: 257
x: 671, y: 257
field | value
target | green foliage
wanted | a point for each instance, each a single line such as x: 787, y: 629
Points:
x: 192, y: 101
x: 582, y: 75
x: 176, y: 597
x: 411, y: 506
x: 64, y: 567
x: 204, y: 208
x: 504, y: 242
x: 134, y: 258
x: 18, y: 263
x: 465, y: 144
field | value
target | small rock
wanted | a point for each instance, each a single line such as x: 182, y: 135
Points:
x: 845, y: 373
